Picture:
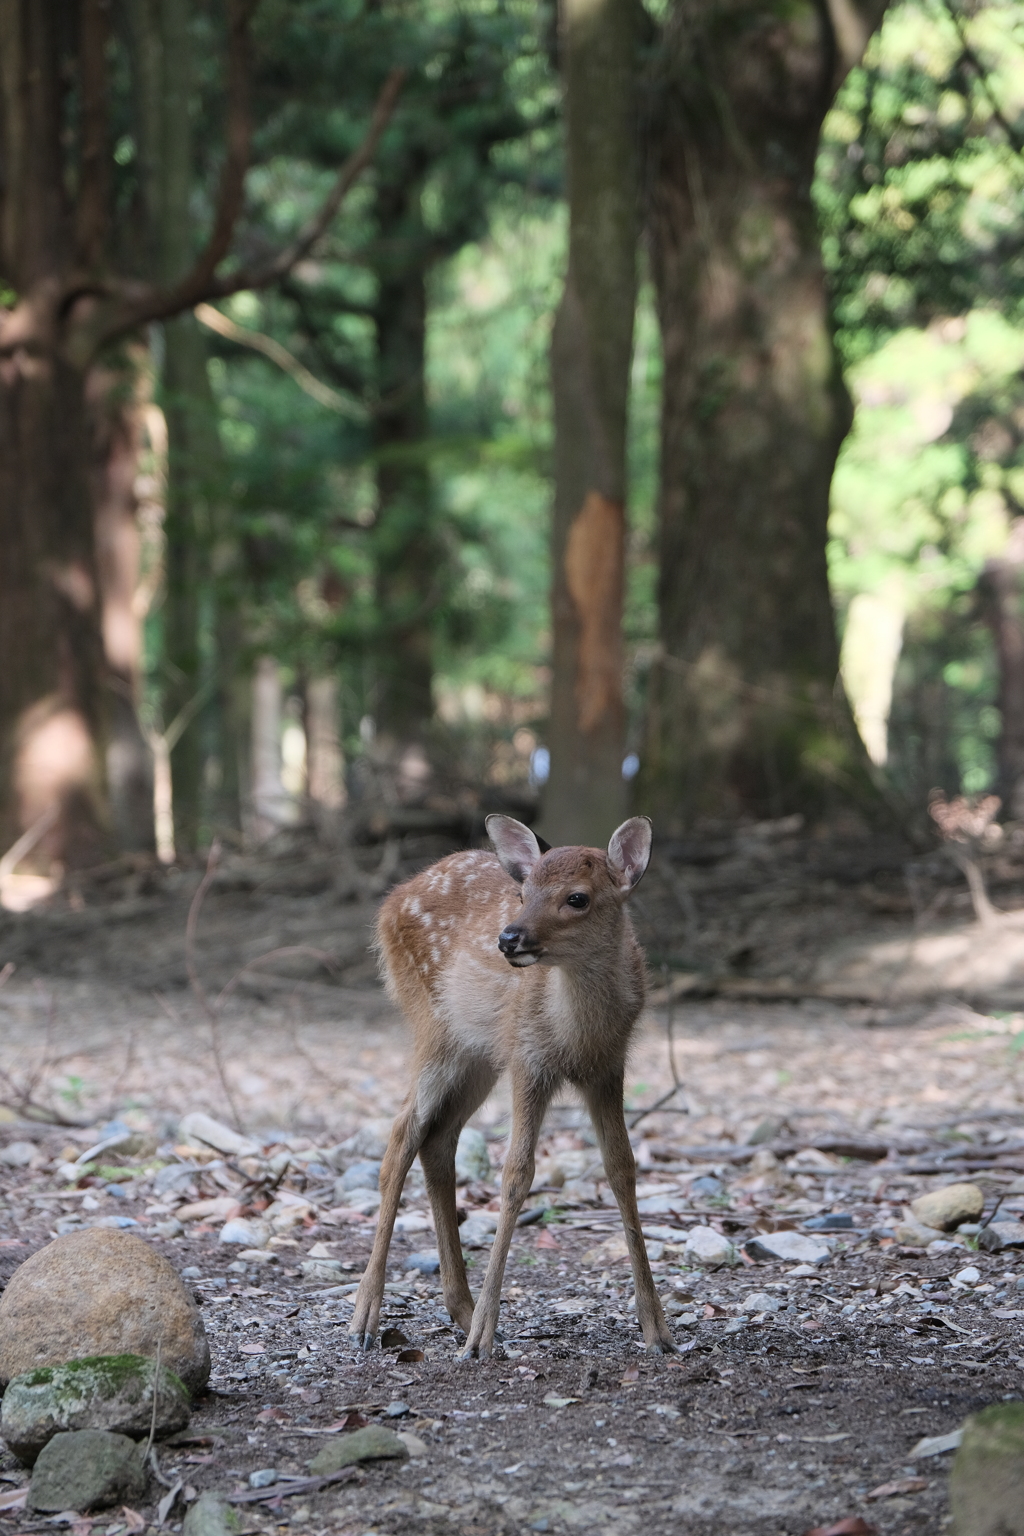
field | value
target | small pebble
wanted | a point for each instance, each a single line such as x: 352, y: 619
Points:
x: 265, y: 1478
x: 968, y: 1276
x: 396, y: 1410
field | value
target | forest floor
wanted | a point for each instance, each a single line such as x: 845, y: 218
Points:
x: 834, y: 999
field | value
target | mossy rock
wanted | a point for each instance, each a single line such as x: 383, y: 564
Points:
x: 375, y: 1443
x: 87, y: 1469
x: 104, y: 1392
x: 986, y: 1484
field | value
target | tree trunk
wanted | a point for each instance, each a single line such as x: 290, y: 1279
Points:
x: 51, y: 680
x: 743, y: 712
x: 590, y: 359
x: 409, y: 557
x: 325, y: 761
x: 1002, y: 592
x: 116, y: 420
x: 268, y: 796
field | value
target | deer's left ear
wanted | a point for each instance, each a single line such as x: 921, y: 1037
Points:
x: 629, y: 851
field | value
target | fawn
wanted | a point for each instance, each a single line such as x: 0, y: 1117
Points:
x: 525, y: 961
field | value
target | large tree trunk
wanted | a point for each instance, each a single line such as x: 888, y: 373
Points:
x: 51, y: 677
x: 744, y: 712
x: 590, y: 359
x: 409, y: 558
x: 116, y: 420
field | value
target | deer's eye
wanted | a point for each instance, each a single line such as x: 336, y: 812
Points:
x: 578, y: 900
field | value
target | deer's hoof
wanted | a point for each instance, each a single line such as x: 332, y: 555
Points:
x: 363, y: 1340
x: 662, y: 1347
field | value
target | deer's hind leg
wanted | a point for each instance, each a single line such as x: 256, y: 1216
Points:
x: 437, y: 1154
x: 403, y: 1144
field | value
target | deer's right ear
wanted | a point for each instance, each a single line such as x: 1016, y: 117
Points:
x: 517, y: 848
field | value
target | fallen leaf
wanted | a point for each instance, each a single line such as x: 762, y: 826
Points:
x: 392, y: 1338
x: 559, y: 1402
x: 630, y: 1374
x: 272, y: 1416
x: 409, y: 1356
x: 252, y: 1349
x: 710, y: 1310
x: 134, y: 1521
x: 936, y: 1445
x: 899, y: 1485
x: 166, y: 1504
x: 15, y: 1499
x: 546, y: 1239
x: 823, y: 1439
x: 352, y: 1420
x: 852, y: 1526
x: 528, y: 1372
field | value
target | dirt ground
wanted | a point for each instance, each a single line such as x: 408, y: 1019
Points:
x: 868, y: 1086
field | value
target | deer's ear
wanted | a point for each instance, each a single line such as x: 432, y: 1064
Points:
x: 629, y: 851
x: 517, y: 848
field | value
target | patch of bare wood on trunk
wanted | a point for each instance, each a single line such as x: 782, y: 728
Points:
x: 593, y: 574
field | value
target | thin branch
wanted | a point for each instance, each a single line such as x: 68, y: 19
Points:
x: 139, y: 307
x: 197, y: 987
x: 285, y: 260
x: 258, y: 342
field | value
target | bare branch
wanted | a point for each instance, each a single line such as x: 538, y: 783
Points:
x: 138, y: 305
x: 282, y: 263
x: 308, y: 382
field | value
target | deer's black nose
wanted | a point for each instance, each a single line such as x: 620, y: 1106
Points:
x: 509, y: 939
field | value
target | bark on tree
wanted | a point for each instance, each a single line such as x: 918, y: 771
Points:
x: 51, y: 693
x: 325, y: 760
x: 591, y: 350
x: 1001, y: 589
x: 408, y: 557
x: 744, y: 714
x: 116, y: 420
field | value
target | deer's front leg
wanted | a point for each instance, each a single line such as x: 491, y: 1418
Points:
x: 529, y: 1101
x: 403, y: 1145
x: 604, y: 1100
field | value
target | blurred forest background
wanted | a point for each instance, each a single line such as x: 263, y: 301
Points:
x: 312, y: 514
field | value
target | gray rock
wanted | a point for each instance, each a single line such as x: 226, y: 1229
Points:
x: 361, y: 1175
x: 371, y: 1444
x: 761, y: 1301
x: 397, y: 1410
x: 370, y: 1141
x: 210, y: 1516
x: 706, y: 1185
x: 945, y: 1209
x: 913, y: 1234
x: 100, y: 1292
x: 427, y: 1263
x: 1001, y: 1234
x: 472, y: 1159
x: 113, y: 1392
x: 477, y: 1231
x: 365, y: 1201
x: 201, y: 1128
x: 245, y: 1233
x: 87, y: 1469
x: 793, y: 1246
x: 329, y: 1270
x: 266, y: 1477
x: 986, y: 1484
x: 175, y: 1174
x: 706, y: 1246
x: 18, y: 1154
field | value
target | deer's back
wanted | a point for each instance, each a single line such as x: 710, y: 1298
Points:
x: 448, y: 915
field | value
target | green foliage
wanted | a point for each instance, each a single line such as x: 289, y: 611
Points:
x: 919, y: 196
